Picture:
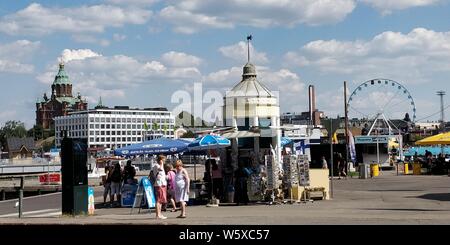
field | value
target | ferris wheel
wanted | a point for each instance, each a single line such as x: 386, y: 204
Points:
x: 381, y: 99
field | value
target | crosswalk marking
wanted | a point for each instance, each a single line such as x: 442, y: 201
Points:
x: 36, y: 213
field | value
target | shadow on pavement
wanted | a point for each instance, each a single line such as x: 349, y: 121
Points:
x: 396, y: 190
x: 436, y: 196
x: 405, y: 209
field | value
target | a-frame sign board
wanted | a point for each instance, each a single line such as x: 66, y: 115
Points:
x: 145, y: 190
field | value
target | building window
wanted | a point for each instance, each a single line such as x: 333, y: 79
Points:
x: 91, y: 126
x: 139, y: 139
x: 91, y: 132
x: 124, y: 133
x: 92, y: 139
x: 108, y: 119
x: 124, y: 139
x: 97, y: 126
x: 134, y: 139
x: 128, y: 138
x: 133, y: 132
x: 139, y: 126
x: 134, y: 126
x: 97, y: 119
x: 128, y: 126
x: 113, y: 126
x: 102, y: 119
x: 102, y: 139
x: 102, y: 132
x: 113, y: 133
x: 91, y: 119
x: 124, y: 126
x: 108, y: 139
x: 134, y: 120
x: 113, y: 119
x: 139, y: 120
x: 113, y: 139
x: 102, y: 126
x: 128, y: 119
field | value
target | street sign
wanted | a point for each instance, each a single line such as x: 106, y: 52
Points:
x: 144, y: 190
x: 91, y: 203
x: 128, y: 194
x: 371, y: 139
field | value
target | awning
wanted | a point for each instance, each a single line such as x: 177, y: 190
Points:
x: 241, y: 134
x: 439, y: 139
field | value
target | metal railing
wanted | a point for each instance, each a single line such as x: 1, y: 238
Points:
x: 25, y: 169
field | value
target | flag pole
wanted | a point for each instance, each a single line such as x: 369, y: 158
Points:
x: 249, y: 37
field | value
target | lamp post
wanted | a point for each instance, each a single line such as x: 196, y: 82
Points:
x: 331, y: 158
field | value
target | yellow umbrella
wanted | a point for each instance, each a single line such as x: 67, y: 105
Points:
x: 439, y: 139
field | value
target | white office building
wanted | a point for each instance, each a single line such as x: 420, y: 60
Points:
x: 115, y: 127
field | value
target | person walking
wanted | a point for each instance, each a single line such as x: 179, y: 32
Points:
x: 217, y: 181
x: 106, y: 180
x: 116, y: 178
x: 170, y: 173
x: 160, y: 185
x: 182, y: 187
x: 341, y: 165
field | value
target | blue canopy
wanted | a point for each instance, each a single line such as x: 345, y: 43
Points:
x: 153, y: 147
x: 209, y: 142
x: 285, y: 141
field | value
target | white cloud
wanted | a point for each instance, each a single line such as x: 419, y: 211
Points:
x: 387, y: 6
x: 238, y: 52
x: 412, y: 57
x: 119, y: 37
x: 188, y: 23
x: 77, y: 54
x: 94, y: 74
x: 14, y: 54
x: 36, y: 19
x: 133, y: 2
x: 189, y: 16
x: 180, y: 59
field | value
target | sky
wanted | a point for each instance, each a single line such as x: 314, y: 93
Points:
x: 140, y: 52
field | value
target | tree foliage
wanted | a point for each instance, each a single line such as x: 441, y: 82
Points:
x: 12, y: 129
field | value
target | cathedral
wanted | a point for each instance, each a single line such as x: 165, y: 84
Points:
x: 60, y: 103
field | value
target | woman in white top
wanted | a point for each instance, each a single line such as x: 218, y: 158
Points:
x: 181, y: 187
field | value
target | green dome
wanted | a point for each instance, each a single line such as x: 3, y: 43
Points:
x: 61, y: 77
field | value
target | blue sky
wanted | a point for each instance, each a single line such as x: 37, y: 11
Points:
x: 138, y: 52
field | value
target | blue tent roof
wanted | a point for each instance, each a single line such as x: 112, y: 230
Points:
x: 209, y: 142
x: 156, y: 146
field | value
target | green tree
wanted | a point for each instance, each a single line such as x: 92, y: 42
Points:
x: 37, y: 132
x: 12, y: 129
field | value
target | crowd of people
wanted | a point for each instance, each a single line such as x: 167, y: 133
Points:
x: 170, y: 182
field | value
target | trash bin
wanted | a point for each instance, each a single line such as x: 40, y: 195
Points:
x: 363, y: 171
x: 417, y: 168
x: 405, y: 168
x: 374, y: 170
